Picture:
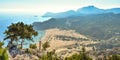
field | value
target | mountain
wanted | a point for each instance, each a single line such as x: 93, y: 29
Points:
x: 98, y: 26
x: 60, y: 15
x: 114, y: 10
x: 92, y: 21
x: 81, y: 12
x: 90, y: 10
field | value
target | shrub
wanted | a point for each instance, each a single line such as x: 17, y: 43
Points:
x: 3, y: 52
x: 33, y: 46
x: 1, y: 44
x: 114, y: 57
x: 45, y: 45
x: 49, y: 56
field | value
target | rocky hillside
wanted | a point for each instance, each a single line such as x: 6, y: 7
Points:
x: 100, y: 26
x: 65, y: 41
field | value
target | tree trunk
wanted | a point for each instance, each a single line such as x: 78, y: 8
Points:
x: 10, y: 44
x: 22, y: 44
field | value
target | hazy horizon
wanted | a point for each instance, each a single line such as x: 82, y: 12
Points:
x: 43, y: 6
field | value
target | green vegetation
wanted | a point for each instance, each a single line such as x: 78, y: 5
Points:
x: 20, y: 31
x: 99, y: 26
x: 3, y: 52
x: 45, y: 45
x: 1, y: 44
x: 52, y: 56
x: 33, y: 46
x: 81, y: 56
x: 78, y: 57
x: 28, y: 51
x: 49, y: 56
x: 115, y: 57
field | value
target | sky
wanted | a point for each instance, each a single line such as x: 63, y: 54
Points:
x: 42, y: 6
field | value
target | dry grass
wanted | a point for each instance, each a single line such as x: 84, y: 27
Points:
x: 58, y: 45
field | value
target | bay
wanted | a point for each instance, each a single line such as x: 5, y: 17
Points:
x: 7, y: 18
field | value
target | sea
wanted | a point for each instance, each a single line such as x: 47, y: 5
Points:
x: 28, y: 18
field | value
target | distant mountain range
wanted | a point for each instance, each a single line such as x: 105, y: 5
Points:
x: 82, y: 11
x: 90, y: 21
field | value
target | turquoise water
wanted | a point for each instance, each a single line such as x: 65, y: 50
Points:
x: 36, y: 39
x: 6, y: 19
